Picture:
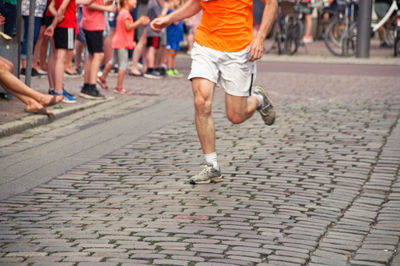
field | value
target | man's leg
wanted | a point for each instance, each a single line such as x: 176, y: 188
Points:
x: 59, y: 69
x: 239, y: 109
x: 203, y: 91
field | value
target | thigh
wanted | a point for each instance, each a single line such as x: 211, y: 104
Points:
x: 203, y: 91
x: 204, y: 64
x: 237, y: 74
x: 235, y: 104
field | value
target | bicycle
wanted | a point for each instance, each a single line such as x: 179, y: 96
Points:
x: 341, y: 34
x: 288, y: 27
x: 396, y: 44
x: 388, y: 22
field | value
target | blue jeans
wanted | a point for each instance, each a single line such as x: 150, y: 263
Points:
x: 36, y: 32
x: 9, y: 11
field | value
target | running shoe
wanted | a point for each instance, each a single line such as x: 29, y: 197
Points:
x: 267, y: 110
x: 152, y: 74
x: 170, y: 73
x: 91, y: 93
x: 67, y: 97
x: 177, y: 73
x: 208, y: 174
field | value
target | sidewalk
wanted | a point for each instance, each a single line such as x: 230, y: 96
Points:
x: 14, y: 120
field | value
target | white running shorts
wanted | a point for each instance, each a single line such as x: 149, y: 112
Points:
x: 231, y: 70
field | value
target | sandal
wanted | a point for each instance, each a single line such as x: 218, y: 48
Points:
x: 122, y: 91
x: 102, y: 83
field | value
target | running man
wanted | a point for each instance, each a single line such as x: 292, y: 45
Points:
x: 225, y: 53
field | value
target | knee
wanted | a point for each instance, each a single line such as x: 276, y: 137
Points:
x: 235, y: 118
x: 203, y: 107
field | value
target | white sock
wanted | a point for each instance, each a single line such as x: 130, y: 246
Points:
x: 260, y: 100
x: 211, y: 158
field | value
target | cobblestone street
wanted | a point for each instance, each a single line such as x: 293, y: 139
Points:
x: 319, y: 187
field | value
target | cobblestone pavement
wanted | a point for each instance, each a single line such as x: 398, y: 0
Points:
x: 320, y: 187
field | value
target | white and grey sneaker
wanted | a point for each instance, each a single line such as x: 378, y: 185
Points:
x: 208, y: 174
x: 267, y: 110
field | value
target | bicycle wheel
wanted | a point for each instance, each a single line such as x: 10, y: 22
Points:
x: 293, y: 38
x: 339, y: 40
x: 396, y: 44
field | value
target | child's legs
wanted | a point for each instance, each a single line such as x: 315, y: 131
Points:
x: 51, y: 64
x: 110, y: 64
x: 150, y: 56
x: 61, y: 55
x: 94, y: 41
x: 63, y: 41
x: 123, y: 65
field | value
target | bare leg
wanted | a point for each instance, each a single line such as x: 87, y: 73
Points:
x: 138, y: 52
x: 239, y: 109
x: 44, y: 45
x: 151, y: 57
x: 203, y: 91
x: 107, y: 70
x: 107, y: 49
x: 96, y: 62
x: 79, y: 47
x: 51, y: 64
x: 68, y: 67
x: 121, y: 75
x: 59, y: 69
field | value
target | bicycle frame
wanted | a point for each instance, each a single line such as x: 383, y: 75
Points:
x: 389, y: 13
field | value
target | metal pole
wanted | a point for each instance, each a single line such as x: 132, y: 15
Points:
x: 30, y: 42
x: 364, y: 28
x: 18, y: 28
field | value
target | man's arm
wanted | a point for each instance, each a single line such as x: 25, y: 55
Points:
x: 190, y: 8
x: 256, y: 48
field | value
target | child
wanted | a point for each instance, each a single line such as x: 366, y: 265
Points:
x: 62, y: 29
x: 174, y: 37
x: 93, y: 24
x: 154, y: 9
x: 121, y: 42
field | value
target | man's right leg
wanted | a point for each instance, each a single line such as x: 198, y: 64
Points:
x: 203, y: 91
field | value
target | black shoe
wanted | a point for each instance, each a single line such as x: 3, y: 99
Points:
x: 161, y: 70
x: 152, y: 74
x: 384, y: 45
x: 23, y: 71
x: 91, y: 93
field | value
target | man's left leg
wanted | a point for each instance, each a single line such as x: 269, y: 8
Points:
x: 239, y: 109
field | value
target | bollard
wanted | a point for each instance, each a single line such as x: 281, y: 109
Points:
x: 364, y: 28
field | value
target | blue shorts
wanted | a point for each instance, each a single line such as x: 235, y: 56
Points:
x: 173, y: 45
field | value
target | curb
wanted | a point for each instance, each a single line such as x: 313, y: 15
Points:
x: 31, y: 121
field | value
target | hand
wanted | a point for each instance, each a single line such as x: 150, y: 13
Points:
x: 144, y: 20
x: 2, y: 19
x: 159, y: 23
x: 256, y: 49
x: 109, y: 2
x: 112, y: 8
x: 49, y: 31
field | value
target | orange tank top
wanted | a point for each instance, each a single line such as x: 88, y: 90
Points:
x: 226, y: 25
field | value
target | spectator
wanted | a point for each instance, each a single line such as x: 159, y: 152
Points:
x: 39, y: 11
x: 137, y: 54
x: 194, y: 22
x: 123, y: 40
x: 258, y: 7
x: 93, y: 24
x: 62, y: 29
x: 381, y: 8
x: 8, y: 8
x: 35, y: 102
x: 154, y: 8
x: 174, y: 37
x: 308, y: 34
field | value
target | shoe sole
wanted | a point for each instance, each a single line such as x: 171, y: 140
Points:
x: 151, y: 76
x: 211, y: 180
x: 89, y: 97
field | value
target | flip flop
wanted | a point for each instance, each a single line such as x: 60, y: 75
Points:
x: 122, y: 91
x: 41, y: 111
x: 53, y: 101
x: 135, y: 75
